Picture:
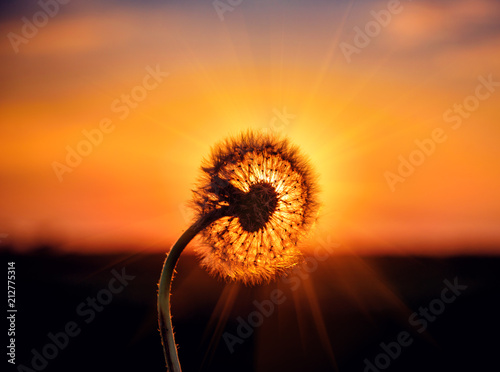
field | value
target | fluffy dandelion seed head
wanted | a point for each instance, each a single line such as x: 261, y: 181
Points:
x: 264, y: 193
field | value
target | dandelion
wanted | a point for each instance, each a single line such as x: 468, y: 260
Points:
x: 256, y: 198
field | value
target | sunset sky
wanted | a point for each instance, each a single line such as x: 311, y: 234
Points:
x: 200, y: 71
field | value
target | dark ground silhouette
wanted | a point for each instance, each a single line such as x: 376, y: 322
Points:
x: 333, y: 314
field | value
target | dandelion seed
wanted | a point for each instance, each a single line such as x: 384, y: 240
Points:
x: 265, y: 194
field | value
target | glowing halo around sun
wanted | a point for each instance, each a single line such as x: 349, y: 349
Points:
x: 266, y: 193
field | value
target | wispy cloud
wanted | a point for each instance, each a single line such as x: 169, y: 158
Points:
x: 427, y: 24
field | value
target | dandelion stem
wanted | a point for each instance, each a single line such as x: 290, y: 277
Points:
x: 164, y: 317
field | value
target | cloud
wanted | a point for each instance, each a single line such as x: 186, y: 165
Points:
x: 434, y: 25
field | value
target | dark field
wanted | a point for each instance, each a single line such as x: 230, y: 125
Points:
x: 336, y: 314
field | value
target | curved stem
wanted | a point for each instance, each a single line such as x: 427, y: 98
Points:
x: 164, y: 318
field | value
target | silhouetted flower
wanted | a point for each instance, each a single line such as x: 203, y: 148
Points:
x: 264, y: 195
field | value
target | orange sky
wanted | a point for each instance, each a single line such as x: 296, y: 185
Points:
x: 354, y: 119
